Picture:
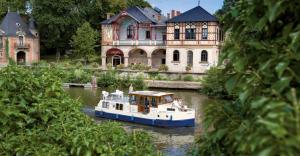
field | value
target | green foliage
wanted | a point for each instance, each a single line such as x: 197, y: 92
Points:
x: 84, y: 41
x: 139, y: 3
x: 112, y: 80
x: 13, y: 5
x: 188, y: 78
x: 163, y: 67
x: 263, y: 49
x: 120, y: 66
x: 139, y: 67
x: 58, y: 24
x: 153, y: 74
x: 39, y: 118
x: 213, y: 84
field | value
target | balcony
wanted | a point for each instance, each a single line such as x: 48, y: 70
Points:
x: 139, y: 42
x: 22, y: 45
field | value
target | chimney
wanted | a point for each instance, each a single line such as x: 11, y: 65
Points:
x: 158, y: 17
x: 168, y: 15
x: 173, y: 13
x: 177, y: 13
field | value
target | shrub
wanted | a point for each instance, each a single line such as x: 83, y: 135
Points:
x: 120, y: 66
x: 188, y: 68
x: 109, y: 66
x: 138, y: 83
x: 163, y: 67
x: 95, y: 65
x: 153, y: 74
x: 39, y: 118
x: 108, y: 79
x: 188, y: 78
x: 213, y: 84
x: 139, y: 67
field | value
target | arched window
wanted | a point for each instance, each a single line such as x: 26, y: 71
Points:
x: 176, y: 55
x: 190, y: 58
x: 130, y: 32
x: 204, y: 56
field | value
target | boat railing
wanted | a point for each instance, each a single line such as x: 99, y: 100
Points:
x: 122, y: 99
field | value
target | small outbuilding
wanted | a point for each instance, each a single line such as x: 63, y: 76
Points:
x: 19, y: 40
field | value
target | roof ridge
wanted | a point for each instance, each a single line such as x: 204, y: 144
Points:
x: 140, y: 9
x: 195, y: 14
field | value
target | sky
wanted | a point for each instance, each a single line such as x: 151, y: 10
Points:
x: 183, y: 5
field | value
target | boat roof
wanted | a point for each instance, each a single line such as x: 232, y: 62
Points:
x: 150, y: 93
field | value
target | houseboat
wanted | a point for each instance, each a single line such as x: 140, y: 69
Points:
x: 146, y: 107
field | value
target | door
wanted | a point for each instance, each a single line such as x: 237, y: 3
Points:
x: 116, y: 60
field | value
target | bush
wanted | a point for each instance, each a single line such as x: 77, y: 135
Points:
x: 188, y: 68
x: 95, y: 65
x: 188, y: 78
x: 163, y: 68
x: 213, y: 84
x: 108, y: 79
x: 139, y: 83
x: 109, y: 66
x: 39, y: 118
x: 139, y: 67
x: 120, y: 66
x: 263, y: 49
x: 153, y: 74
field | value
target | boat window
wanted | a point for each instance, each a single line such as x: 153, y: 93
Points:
x: 147, y: 101
x: 142, y: 100
x: 171, y: 109
x: 168, y: 99
x: 153, y: 102
x: 105, y: 104
x: 132, y: 100
x: 119, y: 106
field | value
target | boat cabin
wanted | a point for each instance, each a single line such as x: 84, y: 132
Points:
x: 149, y: 99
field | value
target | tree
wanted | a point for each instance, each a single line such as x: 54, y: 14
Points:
x: 227, y: 4
x: 139, y: 3
x: 84, y: 41
x: 263, y: 49
x: 12, y: 5
x: 57, y: 22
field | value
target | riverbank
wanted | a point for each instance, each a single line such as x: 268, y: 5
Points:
x: 150, y: 84
x: 78, y: 75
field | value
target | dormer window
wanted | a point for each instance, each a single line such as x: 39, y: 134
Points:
x: 21, y: 40
x: 130, y: 32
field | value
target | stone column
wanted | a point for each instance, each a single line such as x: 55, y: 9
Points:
x: 126, y: 61
x: 149, y: 61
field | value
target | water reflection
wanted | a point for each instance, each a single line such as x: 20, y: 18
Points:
x: 171, y: 141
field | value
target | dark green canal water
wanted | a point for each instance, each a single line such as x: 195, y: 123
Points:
x: 171, y: 141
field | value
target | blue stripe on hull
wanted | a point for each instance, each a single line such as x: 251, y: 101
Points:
x: 157, y: 122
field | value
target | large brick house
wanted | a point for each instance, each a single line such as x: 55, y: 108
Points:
x: 18, y: 40
x: 145, y: 36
